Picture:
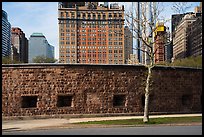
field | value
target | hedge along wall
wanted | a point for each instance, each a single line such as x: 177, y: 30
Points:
x: 52, y: 89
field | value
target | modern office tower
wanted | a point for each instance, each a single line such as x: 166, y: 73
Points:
x: 135, y: 28
x: 194, y: 38
x: 20, y: 43
x: 168, y: 52
x: 39, y: 46
x: 128, y: 41
x: 6, y: 35
x: 160, y: 40
x: 91, y: 33
x: 52, y: 53
x: 180, y: 46
x: 168, y: 48
x: 139, y: 42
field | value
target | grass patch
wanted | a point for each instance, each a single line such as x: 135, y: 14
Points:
x: 185, y: 62
x: 168, y: 120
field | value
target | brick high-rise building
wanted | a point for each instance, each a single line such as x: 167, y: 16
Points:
x: 89, y: 33
x: 20, y: 43
x: 159, y: 46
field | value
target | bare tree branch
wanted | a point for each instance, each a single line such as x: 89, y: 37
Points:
x: 140, y: 27
x: 143, y: 51
x: 181, y: 7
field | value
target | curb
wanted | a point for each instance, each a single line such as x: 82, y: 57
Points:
x: 18, y: 125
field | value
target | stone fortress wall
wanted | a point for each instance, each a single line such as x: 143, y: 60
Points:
x: 53, y: 89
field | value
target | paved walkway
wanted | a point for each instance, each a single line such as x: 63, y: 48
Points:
x: 42, y: 123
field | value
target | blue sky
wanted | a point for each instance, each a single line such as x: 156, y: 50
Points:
x: 42, y: 17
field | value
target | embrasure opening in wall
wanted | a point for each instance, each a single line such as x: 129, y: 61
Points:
x: 29, y: 101
x: 64, y: 101
x: 119, y: 100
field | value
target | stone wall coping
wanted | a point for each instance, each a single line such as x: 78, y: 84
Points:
x: 42, y: 65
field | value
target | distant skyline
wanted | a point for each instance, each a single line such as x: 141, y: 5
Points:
x: 43, y: 17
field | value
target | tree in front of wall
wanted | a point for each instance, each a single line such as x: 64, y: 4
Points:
x: 143, y: 27
x: 8, y: 60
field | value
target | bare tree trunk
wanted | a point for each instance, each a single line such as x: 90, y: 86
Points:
x: 146, y: 110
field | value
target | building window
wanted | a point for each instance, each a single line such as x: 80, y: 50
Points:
x: 120, y: 15
x: 78, y: 15
x: 64, y: 100
x: 29, y: 101
x: 119, y: 100
x: 89, y: 15
x: 104, y: 16
x: 99, y: 16
x: 67, y: 14
x: 94, y: 16
x: 84, y: 15
x: 61, y: 14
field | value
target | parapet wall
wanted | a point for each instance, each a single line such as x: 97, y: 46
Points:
x: 52, y: 89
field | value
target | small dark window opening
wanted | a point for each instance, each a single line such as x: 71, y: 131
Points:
x: 186, y: 100
x: 64, y: 101
x: 118, y: 100
x: 29, y: 101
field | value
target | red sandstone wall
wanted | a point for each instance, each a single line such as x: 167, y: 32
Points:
x: 93, y: 87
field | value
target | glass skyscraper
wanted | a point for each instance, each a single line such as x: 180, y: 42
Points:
x: 39, y: 46
x: 6, y: 35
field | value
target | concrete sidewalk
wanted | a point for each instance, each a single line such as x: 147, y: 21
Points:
x: 54, y: 122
